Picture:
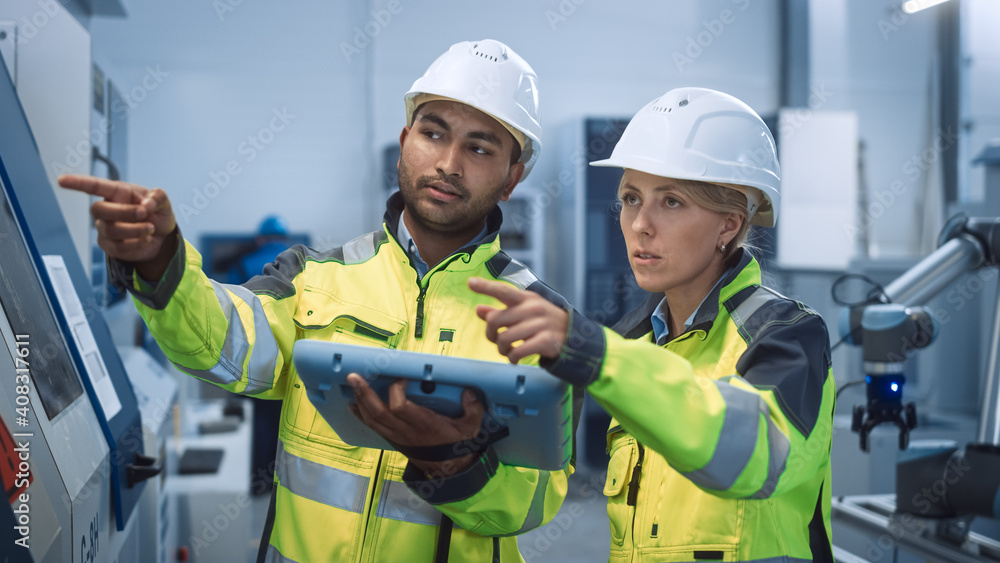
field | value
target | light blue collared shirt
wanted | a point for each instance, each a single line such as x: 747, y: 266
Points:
x: 659, y: 316
x: 406, y: 240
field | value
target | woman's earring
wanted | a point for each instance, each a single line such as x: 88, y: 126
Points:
x: 722, y: 248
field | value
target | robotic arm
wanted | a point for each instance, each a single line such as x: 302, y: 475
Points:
x: 888, y: 327
x: 887, y: 332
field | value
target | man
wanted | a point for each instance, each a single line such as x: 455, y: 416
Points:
x: 464, y: 149
x: 271, y: 240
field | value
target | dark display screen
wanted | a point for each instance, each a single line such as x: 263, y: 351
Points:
x: 28, y: 313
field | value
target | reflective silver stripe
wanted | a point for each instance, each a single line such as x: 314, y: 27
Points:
x: 274, y: 556
x: 537, y: 509
x: 227, y: 370
x: 215, y: 374
x: 399, y: 503
x: 750, y: 305
x: 264, y: 355
x: 236, y: 346
x: 737, y: 439
x: 360, y: 249
x: 778, y: 448
x: 517, y: 274
x: 317, y: 482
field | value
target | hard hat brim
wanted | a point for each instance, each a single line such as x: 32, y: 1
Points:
x: 764, y: 216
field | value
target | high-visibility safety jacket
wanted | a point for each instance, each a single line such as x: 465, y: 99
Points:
x: 720, y: 440
x: 331, y: 501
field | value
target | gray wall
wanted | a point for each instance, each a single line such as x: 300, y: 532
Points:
x: 342, y: 72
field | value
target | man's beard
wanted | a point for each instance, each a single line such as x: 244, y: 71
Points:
x: 459, y: 215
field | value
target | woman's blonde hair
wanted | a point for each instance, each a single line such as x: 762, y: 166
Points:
x: 721, y: 199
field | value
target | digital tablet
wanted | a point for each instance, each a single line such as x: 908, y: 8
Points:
x: 534, y: 407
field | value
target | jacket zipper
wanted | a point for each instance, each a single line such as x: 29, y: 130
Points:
x: 368, y: 535
x: 418, y: 331
x: 633, y: 484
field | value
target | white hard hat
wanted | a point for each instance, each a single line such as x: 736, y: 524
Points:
x: 705, y: 135
x: 492, y: 78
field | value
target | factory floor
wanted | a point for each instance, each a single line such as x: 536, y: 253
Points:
x: 579, y: 533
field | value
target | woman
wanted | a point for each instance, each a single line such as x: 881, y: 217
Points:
x: 720, y: 443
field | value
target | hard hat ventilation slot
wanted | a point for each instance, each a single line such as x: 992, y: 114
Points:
x: 668, y: 109
x: 496, y: 56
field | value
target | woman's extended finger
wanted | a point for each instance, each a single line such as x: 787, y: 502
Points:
x: 521, y: 331
x: 531, y: 307
x: 483, y: 311
x: 503, y: 292
x: 546, y: 344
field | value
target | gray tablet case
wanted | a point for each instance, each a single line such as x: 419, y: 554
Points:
x: 532, y: 405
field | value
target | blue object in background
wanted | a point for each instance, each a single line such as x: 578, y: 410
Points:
x: 271, y: 240
x: 223, y: 254
x: 273, y: 225
x: 253, y: 264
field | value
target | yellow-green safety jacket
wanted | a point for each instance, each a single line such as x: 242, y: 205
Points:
x: 331, y: 501
x: 720, y: 440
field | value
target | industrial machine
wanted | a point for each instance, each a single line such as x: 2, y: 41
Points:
x: 940, y: 487
x: 72, y: 460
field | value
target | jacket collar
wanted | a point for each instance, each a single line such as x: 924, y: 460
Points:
x: 394, y: 210
x: 637, y: 323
